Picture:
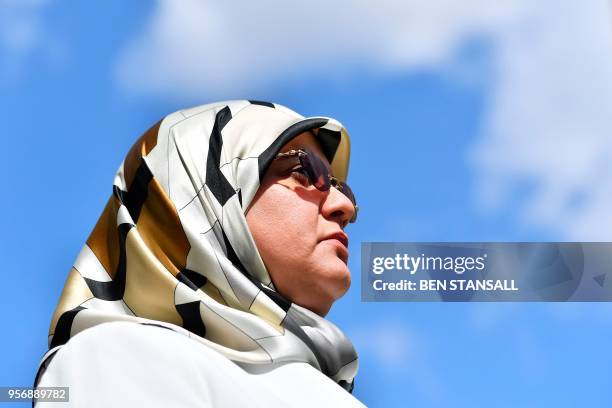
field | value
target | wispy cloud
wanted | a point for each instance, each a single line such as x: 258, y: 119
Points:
x: 23, y: 35
x: 389, y: 343
x: 546, y: 136
x: 403, y: 354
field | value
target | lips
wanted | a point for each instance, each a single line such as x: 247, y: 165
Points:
x: 340, y: 236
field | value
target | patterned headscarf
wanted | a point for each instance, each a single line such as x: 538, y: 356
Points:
x: 173, y: 248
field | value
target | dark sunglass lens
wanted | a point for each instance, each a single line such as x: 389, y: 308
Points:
x: 316, y: 170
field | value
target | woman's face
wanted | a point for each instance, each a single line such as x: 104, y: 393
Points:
x: 299, y: 232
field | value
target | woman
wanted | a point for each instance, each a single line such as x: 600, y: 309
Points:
x: 225, y: 226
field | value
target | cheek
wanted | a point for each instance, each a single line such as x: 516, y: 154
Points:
x: 284, y: 227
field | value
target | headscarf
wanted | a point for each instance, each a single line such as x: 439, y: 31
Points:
x: 173, y: 248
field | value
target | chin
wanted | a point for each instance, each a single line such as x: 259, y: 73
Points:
x: 338, y: 277
x: 330, y: 280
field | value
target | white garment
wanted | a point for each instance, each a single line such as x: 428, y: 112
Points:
x: 161, y: 368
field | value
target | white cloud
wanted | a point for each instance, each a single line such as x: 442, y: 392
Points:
x: 202, y: 47
x: 546, y: 125
x: 549, y: 123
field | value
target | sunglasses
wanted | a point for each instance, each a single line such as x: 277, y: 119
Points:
x: 318, y: 175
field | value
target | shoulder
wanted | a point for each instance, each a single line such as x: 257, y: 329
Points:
x: 129, y: 364
x: 129, y: 346
x: 124, y: 364
x: 305, y: 386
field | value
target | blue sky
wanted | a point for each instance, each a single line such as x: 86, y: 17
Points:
x: 469, y: 122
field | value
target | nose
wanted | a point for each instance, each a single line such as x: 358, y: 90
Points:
x: 337, y: 207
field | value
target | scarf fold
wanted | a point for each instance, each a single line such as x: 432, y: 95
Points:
x: 172, y: 246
